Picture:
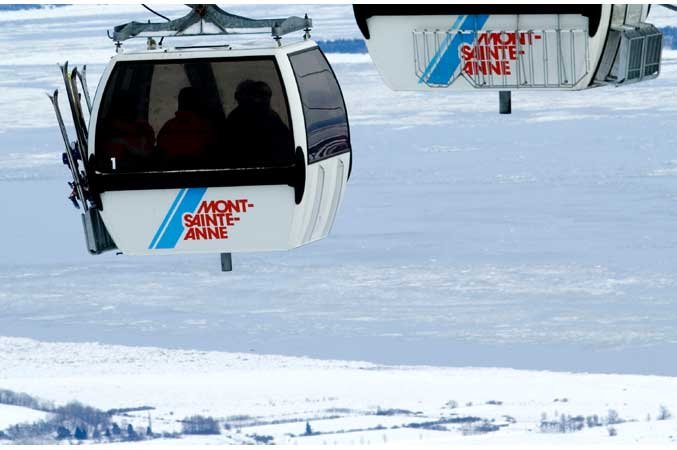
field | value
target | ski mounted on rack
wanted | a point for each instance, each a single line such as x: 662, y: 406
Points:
x: 70, y: 158
x: 223, y: 23
x: 97, y: 237
x: 82, y: 76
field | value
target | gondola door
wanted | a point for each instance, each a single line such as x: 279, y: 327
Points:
x: 327, y: 139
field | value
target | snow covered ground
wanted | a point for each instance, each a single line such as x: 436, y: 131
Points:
x: 344, y: 402
x: 544, y: 240
x: 10, y: 415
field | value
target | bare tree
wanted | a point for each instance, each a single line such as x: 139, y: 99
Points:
x: 200, y: 425
x: 663, y: 413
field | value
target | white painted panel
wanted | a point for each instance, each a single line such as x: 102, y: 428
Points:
x: 315, y: 215
x: 221, y: 219
x: 504, y: 50
x: 337, y: 192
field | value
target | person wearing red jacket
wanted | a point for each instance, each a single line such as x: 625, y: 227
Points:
x: 186, y: 139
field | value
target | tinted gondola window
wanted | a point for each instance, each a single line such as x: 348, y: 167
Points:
x: 197, y: 114
x: 323, y: 107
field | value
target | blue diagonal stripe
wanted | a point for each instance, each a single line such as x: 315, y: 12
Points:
x: 438, y: 53
x: 175, y: 226
x: 170, y: 213
x: 451, y: 59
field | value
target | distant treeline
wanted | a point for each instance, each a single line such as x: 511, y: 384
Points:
x: 669, y: 37
x: 24, y: 6
x: 76, y: 423
x: 343, y: 46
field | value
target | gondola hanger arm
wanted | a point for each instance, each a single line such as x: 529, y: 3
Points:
x: 227, y: 24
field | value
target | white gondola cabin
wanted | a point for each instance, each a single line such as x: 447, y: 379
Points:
x: 506, y: 47
x: 213, y: 149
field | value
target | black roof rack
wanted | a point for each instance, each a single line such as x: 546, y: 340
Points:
x: 225, y: 22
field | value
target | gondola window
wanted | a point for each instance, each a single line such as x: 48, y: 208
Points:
x: 201, y: 114
x: 323, y: 107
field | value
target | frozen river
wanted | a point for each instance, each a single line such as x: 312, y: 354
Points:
x: 540, y: 240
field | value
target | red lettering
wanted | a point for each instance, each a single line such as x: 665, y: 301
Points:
x: 527, y: 38
x: 507, y: 38
x: 229, y: 220
x: 206, y: 208
x: 234, y: 206
x: 494, y: 52
x: 467, y: 52
x: 212, y: 219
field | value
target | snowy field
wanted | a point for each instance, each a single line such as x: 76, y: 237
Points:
x: 343, y: 402
x: 544, y: 240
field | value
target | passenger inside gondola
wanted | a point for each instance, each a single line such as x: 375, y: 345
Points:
x: 197, y: 115
x: 129, y: 140
x: 186, y: 140
x: 255, y: 135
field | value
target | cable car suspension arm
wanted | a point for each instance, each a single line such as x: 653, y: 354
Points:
x: 225, y: 22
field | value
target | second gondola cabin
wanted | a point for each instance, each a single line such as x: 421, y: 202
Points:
x: 510, y: 46
x: 218, y: 150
